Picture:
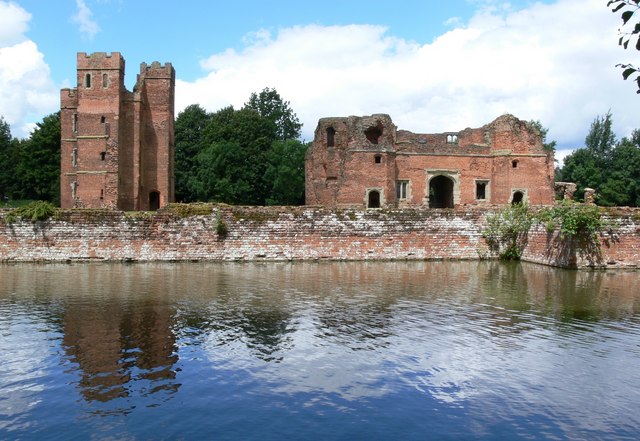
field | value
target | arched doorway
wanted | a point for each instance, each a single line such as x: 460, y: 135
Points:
x: 373, y: 199
x: 517, y: 198
x: 441, y: 192
x: 154, y: 200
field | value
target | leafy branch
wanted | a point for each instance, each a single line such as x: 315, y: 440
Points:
x: 629, y: 7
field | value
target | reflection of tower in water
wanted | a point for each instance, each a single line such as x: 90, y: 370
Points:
x: 122, y: 348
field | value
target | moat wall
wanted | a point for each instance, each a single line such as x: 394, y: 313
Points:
x: 297, y: 233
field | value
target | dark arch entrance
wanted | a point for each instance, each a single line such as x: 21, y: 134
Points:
x: 441, y: 192
x: 373, y: 199
x: 154, y: 200
x: 517, y: 198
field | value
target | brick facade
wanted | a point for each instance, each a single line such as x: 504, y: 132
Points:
x: 299, y: 233
x: 367, y: 162
x: 117, y: 146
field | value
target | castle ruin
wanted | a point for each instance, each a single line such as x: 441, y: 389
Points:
x: 366, y: 162
x: 117, y: 146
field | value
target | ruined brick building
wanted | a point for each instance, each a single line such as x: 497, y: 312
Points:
x: 117, y: 146
x: 367, y: 162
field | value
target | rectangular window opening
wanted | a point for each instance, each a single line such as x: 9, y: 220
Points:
x: 401, y: 189
x: 481, y: 190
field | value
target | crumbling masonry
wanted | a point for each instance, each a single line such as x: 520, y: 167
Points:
x: 367, y: 162
x: 117, y: 146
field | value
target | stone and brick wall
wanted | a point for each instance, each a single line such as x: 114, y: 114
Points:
x: 354, y: 157
x: 293, y: 233
x: 117, y: 146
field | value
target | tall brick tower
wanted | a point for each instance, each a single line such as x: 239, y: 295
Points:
x: 117, y: 146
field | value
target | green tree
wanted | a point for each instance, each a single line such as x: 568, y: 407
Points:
x: 269, y: 104
x: 189, y: 133
x: 285, y: 172
x: 232, y: 166
x: 548, y: 146
x: 629, y: 32
x: 247, y: 156
x: 601, y: 140
x: 6, y: 162
x: 39, y: 166
x: 611, y: 168
x: 622, y: 185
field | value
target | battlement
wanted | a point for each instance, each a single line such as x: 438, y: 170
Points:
x: 100, y: 60
x: 157, y: 70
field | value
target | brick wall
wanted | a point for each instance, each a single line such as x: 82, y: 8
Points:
x: 291, y: 233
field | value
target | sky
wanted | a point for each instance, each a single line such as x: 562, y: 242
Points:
x: 434, y: 66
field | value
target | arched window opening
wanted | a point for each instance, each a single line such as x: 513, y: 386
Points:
x: 87, y: 80
x: 154, y: 200
x: 331, y: 137
x: 517, y: 198
x: 105, y: 80
x: 441, y: 192
x: 373, y: 199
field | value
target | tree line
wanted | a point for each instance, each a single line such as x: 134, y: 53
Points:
x: 252, y: 156
x: 248, y: 156
x: 608, y: 165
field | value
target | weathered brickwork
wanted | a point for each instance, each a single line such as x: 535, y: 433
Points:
x: 300, y: 233
x: 367, y: 162
x: 618, y: 245
x: 117, y: 146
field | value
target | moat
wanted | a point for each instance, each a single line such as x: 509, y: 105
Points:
x: 334, y: 350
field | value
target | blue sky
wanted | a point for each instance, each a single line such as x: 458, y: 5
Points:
x: 432, y: 65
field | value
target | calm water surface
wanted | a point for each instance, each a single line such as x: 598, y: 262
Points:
x: 411, y: 351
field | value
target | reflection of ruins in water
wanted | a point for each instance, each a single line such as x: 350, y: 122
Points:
x: 123, y: 344
x: 309, y: 325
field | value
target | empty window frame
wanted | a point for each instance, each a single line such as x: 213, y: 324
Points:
x: 452, y: 139
x: 331, y: 137
x: 105, y: 80
x: 514, y: 163
x: 402, y: 188
x: 373, y: 134
x: 103, y: 156
x: 482, y: 190
x: 74, y: 123
x: 87, y: 81
x: 377, y: 159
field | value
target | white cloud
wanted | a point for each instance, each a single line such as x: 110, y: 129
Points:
x: 14, y: 22
x: 26, y: 88
x: 87, y: 26
x: 554, y: 63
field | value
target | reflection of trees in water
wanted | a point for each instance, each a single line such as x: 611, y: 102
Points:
x: 357, y: 325
x: 252, y: 311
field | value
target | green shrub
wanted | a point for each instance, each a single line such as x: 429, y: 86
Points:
x: 33, y: 211
x: 572, y: 218
x: 221, y: 226
x: 507, y: 229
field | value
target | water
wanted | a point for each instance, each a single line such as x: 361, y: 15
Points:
x: 371, y: 351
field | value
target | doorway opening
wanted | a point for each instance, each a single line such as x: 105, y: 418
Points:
x: 441, y: 192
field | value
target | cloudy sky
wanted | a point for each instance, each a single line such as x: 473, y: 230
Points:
x: 434, y: 66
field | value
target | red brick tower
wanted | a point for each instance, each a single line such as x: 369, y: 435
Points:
x: 117, y: 146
